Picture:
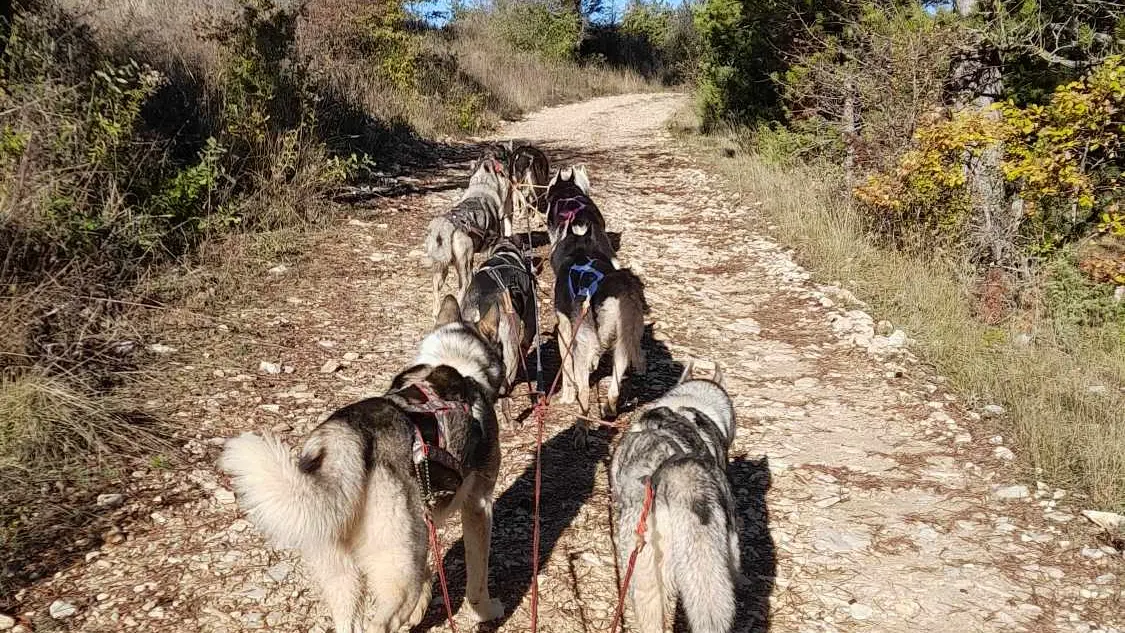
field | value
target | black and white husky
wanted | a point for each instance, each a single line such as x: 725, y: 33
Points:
x: 588, y: 279
x: 354, y: 502
x: 569, y: 204
x: 503, y: 284
x: 481, y: 217
x: 678, y: 446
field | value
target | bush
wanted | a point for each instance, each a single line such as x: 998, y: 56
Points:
x: 537, y: 27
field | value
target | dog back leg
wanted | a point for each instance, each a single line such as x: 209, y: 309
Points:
x: 440, y: 273
x: 647, y: 592
x: 476, y: 517
x: 586, y: 353
x: 391, y: 551
x: 566, y: 359
x: 340, y: 584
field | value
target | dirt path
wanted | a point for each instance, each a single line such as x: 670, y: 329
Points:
x: 871, y: 499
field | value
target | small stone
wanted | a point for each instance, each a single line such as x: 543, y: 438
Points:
x: 61, y: 610
x: 279, y: 571
x: 1092, y: 553
x: 326, y: 344
x: 1004, y: 453
x: 993, y: 410
x: 1012, y: 492
x: 860, y: 611
x: 280, y: 269
x: 160, y: 348
x: 330, y: 366
x: 996, y: 440
x: 1109, y: 521
x: 6, y: 622
x: 222, y: 495
x: 110, y: 500
x: 269, y: 368
x: 351, y: 356
x: 962, y: 438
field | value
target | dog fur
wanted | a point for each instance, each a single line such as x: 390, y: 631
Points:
x: 568, y: 196
x: 530, y: 171
x: 679, y: 444
x: 506, y: 270
x: 352, y: 504
x: 478, y: 220
x: 615, y: 319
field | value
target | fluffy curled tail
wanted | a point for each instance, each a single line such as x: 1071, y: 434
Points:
x: 691, y: 524
x: 302, y: 505
x: 437, y: 246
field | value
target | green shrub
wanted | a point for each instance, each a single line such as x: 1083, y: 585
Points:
x: 540, y: 28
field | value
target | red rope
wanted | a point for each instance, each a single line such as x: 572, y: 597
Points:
x: 435, y: 547
x: 642, y: 524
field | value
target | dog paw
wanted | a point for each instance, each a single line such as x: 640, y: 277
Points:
x: 609, y: 410
x: 487, y: 610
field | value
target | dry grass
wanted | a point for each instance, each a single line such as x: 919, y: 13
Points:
x: 1065, y: 395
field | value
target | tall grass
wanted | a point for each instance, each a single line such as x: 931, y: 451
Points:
x: 1064, y: 390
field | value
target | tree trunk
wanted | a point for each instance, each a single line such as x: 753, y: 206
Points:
x: 849, y: 128
x: 978, y: 84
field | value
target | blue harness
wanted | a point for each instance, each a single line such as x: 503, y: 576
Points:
x: 588, y: 279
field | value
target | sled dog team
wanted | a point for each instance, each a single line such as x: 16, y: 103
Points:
x: 356, y: 500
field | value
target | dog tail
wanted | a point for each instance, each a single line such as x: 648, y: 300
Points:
x: 303, y: 504
x: 690, y: 523
x: 438, y: 247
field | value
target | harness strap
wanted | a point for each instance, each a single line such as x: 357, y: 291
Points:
x: 589, y: 278
x: 642, y: 527
x: 422, y: 450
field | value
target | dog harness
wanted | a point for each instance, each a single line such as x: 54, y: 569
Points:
x: 587, y: 277
x: 468, y: 220
x: 430, y: 417
x: 570, y: 208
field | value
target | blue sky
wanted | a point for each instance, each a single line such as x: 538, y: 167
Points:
x: 613, y: 7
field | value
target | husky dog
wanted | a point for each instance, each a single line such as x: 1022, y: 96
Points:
x: 503, y: 284
x: 354, y: 503
x: 678, y: 446
x: 480, y: 217
x: 585, y: 271
x: 568, y: 202
x: 530, y: 171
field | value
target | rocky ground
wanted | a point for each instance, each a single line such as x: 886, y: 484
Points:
x: 871, y: 497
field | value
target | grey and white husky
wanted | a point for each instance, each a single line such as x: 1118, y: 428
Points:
x: 679, y: 446
x: 503, y: 284
x: 354, y: 501
x: 481, y: 217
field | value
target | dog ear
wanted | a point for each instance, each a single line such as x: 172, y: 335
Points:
x: 489, y: 324
x: 450, y: 312
x: 686, y: 375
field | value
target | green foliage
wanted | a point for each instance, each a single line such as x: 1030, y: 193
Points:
x: 1075, y: 302
x: 548, y: 30
x: 1060, y: 159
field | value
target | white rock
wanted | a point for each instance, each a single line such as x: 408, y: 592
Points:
x: 61, y: 610
x: 897, y: 339
x: 1012, y: 492
x: 279, y: 571
x: 860, y: 611
x: 1108, y: 521
x: 222, y: 495
x: 1004, y: 453
x: 330, y: 366
x: 111, y: 500
x: 350, y: 356
x: 996, y: 439
x: 269, y: 368
x: 6, y: 622
x: 745, y: 325
x: 1092, y: 553
x: 993, y: 410
x: 160, y: 348
x: 326, y: 344
x: 280, y: 269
